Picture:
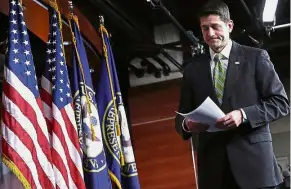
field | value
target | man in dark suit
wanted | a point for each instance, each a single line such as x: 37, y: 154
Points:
x: 242, y: 81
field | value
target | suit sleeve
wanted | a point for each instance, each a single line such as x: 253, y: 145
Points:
x: 185, y: 105
x: 274, y: 102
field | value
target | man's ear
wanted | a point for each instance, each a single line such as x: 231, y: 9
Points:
x: 230, y: 25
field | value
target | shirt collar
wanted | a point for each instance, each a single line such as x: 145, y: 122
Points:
x: 225, y: 51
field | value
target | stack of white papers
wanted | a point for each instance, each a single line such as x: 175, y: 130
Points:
x: 208, y: 112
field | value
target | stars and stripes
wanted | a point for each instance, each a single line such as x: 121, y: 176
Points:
x: 25, y: 139
x: 58, y: 111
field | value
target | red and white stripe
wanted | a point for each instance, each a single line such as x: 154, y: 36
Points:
x: 24, y: 131
x: 66, y: 150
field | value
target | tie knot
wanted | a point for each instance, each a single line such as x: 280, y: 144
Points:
x: 217, y: 57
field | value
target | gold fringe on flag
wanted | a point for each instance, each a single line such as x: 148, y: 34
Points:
x: 16, y: 171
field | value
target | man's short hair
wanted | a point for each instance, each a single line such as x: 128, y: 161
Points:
x: 215, y: 7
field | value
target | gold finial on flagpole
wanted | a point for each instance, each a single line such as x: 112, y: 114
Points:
x: 101, y: 20
x: 71, y: 6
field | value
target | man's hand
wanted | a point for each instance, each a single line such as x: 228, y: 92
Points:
x: 196, y: 127
x: 231, y: 120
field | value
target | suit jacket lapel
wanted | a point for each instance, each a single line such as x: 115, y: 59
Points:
x: 235, y: 62
x: 208, y: 82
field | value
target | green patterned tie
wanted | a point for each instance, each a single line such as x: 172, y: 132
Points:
x: 219, y: 76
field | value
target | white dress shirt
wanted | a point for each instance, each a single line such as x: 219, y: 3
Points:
x: 225, y: 52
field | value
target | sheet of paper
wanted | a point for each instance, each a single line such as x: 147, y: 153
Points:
x: 208, y: 112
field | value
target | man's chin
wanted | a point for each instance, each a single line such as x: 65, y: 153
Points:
x: 214, y: 45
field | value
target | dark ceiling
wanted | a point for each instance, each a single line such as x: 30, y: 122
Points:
x: 133, y: 20
x: 131, y: 24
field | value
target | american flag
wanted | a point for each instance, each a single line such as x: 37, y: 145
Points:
x: 25, y: 138
x: 58, y: 110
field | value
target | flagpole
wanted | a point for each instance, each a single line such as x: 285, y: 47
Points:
x: 101, y: 20
x: 194, y: 163
x: 118, y: 129
x: 72, y: 16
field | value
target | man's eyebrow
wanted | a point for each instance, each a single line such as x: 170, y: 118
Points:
x: 209, y: 25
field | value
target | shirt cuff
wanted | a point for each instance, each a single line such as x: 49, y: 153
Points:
x: 245, y: 119
x: 184, y: 127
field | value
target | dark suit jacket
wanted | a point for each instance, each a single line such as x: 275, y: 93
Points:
x: 252, y: 85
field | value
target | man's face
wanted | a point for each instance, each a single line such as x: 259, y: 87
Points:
x: 215, y: 31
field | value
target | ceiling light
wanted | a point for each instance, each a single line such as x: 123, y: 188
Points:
x: 270, y: 10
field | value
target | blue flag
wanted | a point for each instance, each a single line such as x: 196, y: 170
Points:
x: 114, y: 125
x: 86, y: 114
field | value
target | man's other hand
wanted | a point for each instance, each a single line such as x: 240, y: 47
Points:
x: 196, y: 127
x: 231, y: 120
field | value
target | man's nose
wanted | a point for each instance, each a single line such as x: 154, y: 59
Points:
x: 210, y: 32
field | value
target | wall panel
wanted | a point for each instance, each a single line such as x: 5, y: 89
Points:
x: 164, y: 160
x: 36, y: 23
